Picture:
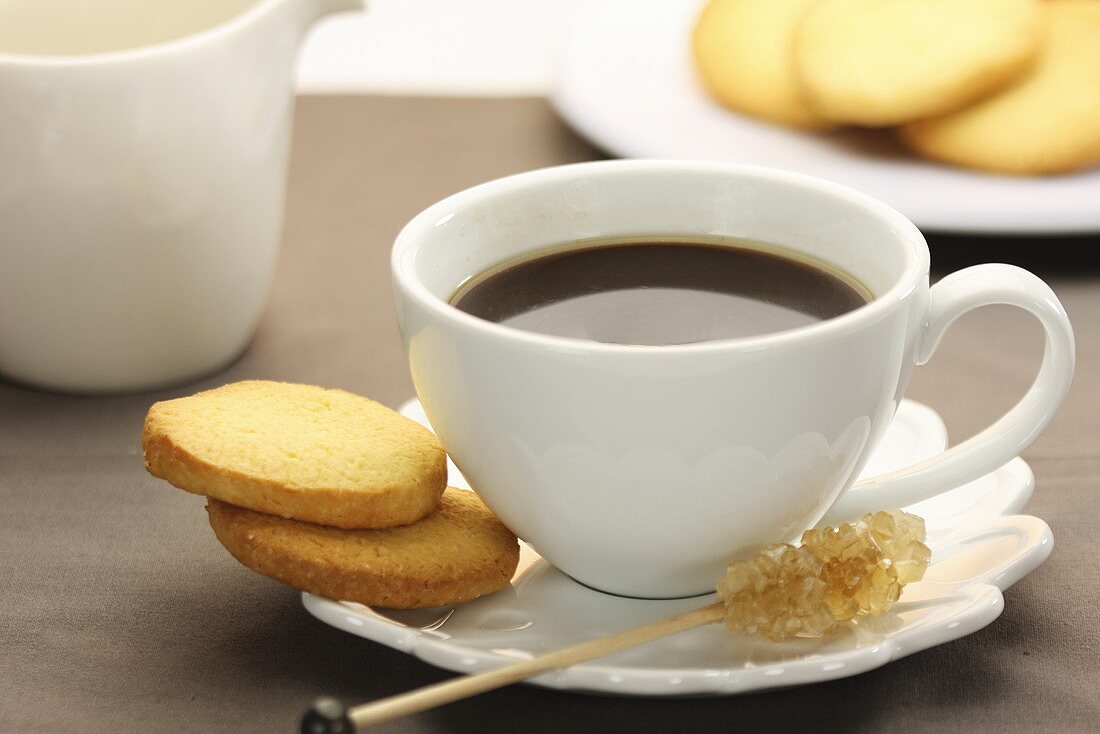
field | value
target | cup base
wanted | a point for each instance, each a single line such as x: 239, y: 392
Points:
x: 130, y: 387
x: 706, y: 592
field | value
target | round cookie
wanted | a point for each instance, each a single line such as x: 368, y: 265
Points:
x: 886, y: 62
x: 742, y: 52
x: 298, y: 451
x: 1047, y: 122
x: 458, y: 553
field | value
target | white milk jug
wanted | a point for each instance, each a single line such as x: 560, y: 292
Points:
x: 143, y: 159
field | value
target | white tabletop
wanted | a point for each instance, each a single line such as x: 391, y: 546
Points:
x: 437, y: 47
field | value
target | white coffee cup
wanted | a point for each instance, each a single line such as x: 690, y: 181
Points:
x: 643, y: 470
x: 141, y: 188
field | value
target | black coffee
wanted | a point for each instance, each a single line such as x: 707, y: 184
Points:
x: 658, y: 292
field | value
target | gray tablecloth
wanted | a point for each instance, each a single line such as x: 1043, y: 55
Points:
x: 120, y: 612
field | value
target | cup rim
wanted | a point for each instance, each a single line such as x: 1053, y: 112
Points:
x: 197, y: 38
x: 407, y: 243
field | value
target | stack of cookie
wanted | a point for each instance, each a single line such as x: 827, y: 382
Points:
x: 331, y: 493
x: 1011, y: 86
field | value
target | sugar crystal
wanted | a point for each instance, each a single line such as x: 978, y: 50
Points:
x: 835, y: 575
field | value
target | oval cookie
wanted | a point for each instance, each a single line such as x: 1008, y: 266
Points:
x: 742, y: 50
x: 458, y: 553
x: 1047, y: 122
x: 885, y: 62
x: 298, y: 451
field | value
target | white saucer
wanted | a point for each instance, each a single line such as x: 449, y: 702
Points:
x: 979, y: 549
x: 625, y: 80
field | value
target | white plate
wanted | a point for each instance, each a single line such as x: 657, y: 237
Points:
x: 625, y: 81
x: 978, y: 551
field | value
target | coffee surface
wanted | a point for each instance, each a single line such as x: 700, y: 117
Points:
x: 658, y: 292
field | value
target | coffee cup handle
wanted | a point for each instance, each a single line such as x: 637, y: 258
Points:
x: 958, y: 293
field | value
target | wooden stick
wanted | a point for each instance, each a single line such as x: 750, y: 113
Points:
x: 439, y: 694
